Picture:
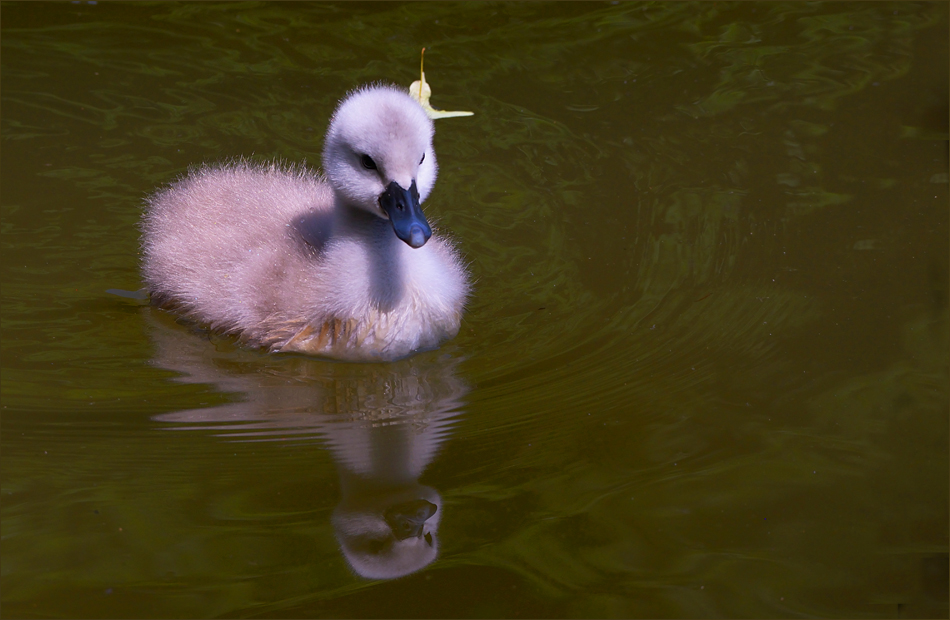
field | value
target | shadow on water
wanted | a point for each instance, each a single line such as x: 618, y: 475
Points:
x: 383, y: 424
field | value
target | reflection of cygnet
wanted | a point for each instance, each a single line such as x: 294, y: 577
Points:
x: 341, y: 267
x: 387, y: 522
x: 383, y: 424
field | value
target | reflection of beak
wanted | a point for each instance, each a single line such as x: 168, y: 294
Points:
x: 406, y: 520
x: 404, y: 211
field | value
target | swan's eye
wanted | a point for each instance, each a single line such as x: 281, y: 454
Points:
x: 368, y: 162
x: 423, y: 159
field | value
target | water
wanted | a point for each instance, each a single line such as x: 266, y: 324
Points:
x: 704, y: 371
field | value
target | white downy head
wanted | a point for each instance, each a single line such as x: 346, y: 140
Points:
x: 379, y: 135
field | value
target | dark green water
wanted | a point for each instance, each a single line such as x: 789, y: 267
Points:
x: 704, y: 371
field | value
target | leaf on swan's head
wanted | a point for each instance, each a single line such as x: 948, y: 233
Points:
x: 420, y: 91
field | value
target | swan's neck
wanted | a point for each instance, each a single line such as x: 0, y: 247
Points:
x: 352, y: 221
x: 383, y: 251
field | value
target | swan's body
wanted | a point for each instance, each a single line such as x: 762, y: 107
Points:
x: 338, y: 267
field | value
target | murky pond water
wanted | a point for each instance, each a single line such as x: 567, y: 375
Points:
x: 704, y: 371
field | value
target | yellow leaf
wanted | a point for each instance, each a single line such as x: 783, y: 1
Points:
x: 420, y: 91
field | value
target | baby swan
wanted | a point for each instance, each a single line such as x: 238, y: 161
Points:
x: 344, y: 267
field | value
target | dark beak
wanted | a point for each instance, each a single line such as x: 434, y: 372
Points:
x: 405, y: 213
x: 406, y: 519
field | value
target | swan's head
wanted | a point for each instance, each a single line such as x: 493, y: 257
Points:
x: 378, y: 156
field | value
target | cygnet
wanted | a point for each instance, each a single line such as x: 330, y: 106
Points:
x: 343, y: 266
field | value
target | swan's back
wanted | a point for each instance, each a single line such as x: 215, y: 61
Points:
x: 217, y: 245
x: 273, y: 254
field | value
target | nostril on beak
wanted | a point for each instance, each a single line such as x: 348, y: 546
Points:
x: 402, y: 207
